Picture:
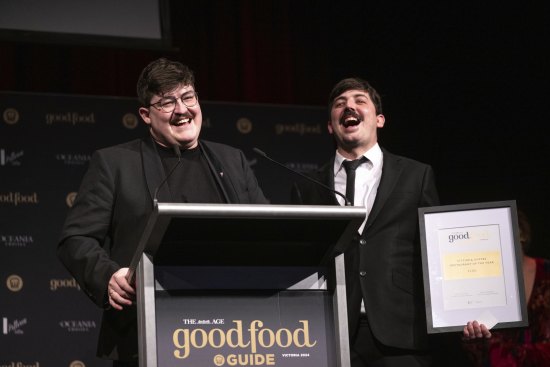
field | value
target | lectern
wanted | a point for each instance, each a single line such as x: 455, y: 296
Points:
x: 243, y: 285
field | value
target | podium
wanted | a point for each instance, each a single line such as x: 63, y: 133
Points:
x: 243, y: 285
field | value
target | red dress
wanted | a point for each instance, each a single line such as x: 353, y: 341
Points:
x: 520, y: 347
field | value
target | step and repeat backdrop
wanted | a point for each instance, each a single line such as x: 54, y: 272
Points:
x: 46, y: 142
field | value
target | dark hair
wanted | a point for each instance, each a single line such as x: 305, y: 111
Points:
x: 524, y: 230
x: 162, y: 76
x: 355, y: 83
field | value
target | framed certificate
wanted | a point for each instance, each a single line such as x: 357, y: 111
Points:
x: 472, y: 266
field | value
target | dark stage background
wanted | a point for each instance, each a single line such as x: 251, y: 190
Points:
x: 464, y: 86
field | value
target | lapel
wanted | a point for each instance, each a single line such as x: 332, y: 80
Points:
x: 390, y: 175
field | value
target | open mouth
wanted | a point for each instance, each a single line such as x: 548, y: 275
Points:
x: 181, y: 122
x: 350, y: 118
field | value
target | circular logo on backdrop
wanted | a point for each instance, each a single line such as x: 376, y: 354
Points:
x: 130, y: 121
x: 219, y: 360
x: 77, y: 364
x: 14, y: 283
x: 11, y: 116
x: 70, y: 199
x: 244, y: 125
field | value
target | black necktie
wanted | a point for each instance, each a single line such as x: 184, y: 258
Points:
x: 350, y: 167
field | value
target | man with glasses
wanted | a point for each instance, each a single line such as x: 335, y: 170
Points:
x: 171, y: 164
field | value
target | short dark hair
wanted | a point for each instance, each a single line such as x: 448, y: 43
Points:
x: 355, y: 83
x: 162, y: 76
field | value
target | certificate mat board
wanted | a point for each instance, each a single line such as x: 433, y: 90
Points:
x: 471, y: 262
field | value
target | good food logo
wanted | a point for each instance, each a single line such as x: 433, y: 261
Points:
x: 256, y: 337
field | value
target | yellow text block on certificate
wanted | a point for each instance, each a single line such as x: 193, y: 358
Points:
x: 466, y: 265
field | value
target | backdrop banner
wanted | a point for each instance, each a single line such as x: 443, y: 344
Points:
x: 46, y: 142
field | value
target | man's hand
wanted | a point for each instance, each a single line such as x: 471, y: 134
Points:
x: 121, y: 293
x: 475, y: 330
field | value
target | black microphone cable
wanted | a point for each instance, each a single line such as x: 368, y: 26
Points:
x: 261, y: 153
x: 178, y: 154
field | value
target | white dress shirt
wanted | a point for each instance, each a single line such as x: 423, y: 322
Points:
x: 367, y: 179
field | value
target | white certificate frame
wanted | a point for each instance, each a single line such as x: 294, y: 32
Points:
x: 472, y: 266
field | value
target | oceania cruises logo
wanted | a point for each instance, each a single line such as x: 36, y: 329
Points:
x: 10, y: 158
x: 302, y: 166
x: 13, y: 327
x: 75, y: 326
x: 16, y: 240
x: 73, y: 159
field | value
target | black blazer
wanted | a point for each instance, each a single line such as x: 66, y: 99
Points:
x: 104, y: 225
x: 383, y: 265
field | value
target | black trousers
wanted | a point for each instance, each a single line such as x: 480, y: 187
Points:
x: 366, y: 351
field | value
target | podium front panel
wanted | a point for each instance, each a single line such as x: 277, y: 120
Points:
x: 245, y: 328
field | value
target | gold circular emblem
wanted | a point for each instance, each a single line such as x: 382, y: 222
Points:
x: 14, y: 283
x: 70, y: 199
x: 11, y: 116
x: 219, y: 360
x: 244, y: 125
x: 130, y: 121
x: 77, y: 364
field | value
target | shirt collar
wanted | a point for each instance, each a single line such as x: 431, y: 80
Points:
x: 374, y: 155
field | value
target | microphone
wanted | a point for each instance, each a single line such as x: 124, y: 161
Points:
x: 261, y: 153
x: 178, y: 154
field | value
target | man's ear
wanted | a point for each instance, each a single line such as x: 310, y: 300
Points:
x: 380, y: 120
x: 329, y: 127
x: 144, y: 113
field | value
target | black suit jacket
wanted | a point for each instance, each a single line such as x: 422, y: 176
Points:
x: 383, y: 265
x: 104, y: 225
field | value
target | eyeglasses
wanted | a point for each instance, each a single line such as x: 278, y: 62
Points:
x: 168, y: 104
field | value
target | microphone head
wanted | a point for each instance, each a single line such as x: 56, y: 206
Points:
x: 258, y: 151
